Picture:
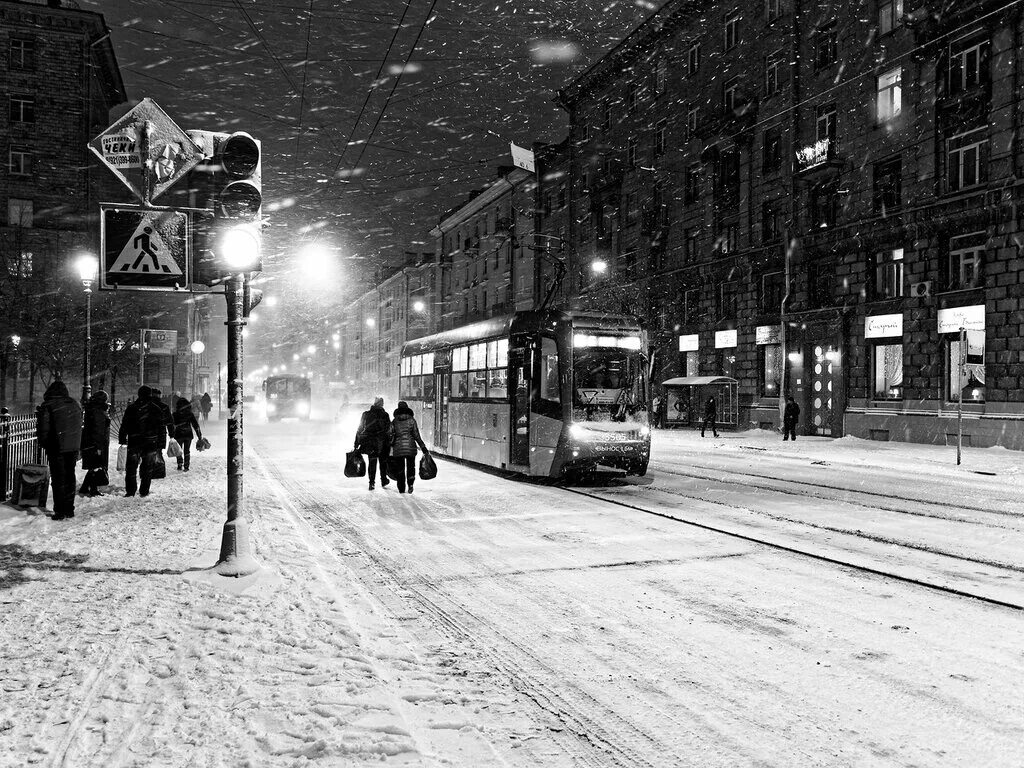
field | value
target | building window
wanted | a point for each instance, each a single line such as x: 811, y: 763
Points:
x: 691, y: 308
x: 692, y: 364
x: 23, y: 54
x: 889, y: 274
x: 889, y: 101
x: 730, y: 95
x: 661, y: 77
x: 727, y: 362
x: 819, y: 284
x: 20, y: 265
x: 824, y: 204
x: 964, y: 266
x: 772, y: 286
x: 890, y: 15
x: 727, y: 300
x: 632, y: 96
x: 660, y: 131
x: 631, y: 152
x: 691, y: 123
x: 728, y: 237
x: 770, y: 366
x: 19, y: 162
x: 728, y: 190
x: 888, y: 372
x: 771, y: 77
x: 769, y: 222
x: 693, y: 58
x: 690, y: 244
x: 631, y: 208
x: 732, y: 32
x: 22, y: 109
x: 825, y: 125
x: 888, y: 194
x: 965, y: 155
x: 691, y: 184
x: 966, y: 379
x: 968, y: 64
x: 19, y: 213
x: 772, y: 9
x: 772, y: 160
x: 606, y: 114
x: 825, y: 50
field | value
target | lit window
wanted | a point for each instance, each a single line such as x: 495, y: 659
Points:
x: 966, y: 378
x: 890, y: 15
x: 888, y: 378
x: 19, y: 213
x: 890, y: 95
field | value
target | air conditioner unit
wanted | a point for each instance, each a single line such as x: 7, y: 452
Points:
x: 922, y: 290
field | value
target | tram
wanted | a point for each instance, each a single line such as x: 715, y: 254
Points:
x: 287, y: 396
x: 541, y: 393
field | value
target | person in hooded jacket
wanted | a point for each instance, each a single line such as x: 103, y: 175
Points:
x: 372, y: 439
x: 186, y: 428
x: 710, y: 417
x: 59, y: 432
x: 144, y: 432
x: 95, y: 444
x: 405, y: 436
x: 207, y: 405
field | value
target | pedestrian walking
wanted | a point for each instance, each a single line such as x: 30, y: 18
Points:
x: 790, y: 416
x: 405, y: 437
x: 168, y: 416
x: 186, y: 428
x: 710, y: 417
x: 207, y: 405
x: 144, y: 431
x: 95, y: 444
x: 372, y: 439
x: 656, y: 412
x: 59, y: 434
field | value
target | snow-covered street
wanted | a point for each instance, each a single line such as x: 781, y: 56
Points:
x: 749, y: 602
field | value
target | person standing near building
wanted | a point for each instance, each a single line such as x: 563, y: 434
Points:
x: 405, y: 437
x: 59, y: 432
x: 710, y: 417
x: 372, y: 439
x: 144, y: 432
x: 186, y: 428
x: 207, y: 404
x: 790, y: 416
x: 95, y: 444
x: 656, y: 412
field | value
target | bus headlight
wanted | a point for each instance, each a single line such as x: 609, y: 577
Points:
x: 644, y: 430
x: 579, y: 432
x: 271, y: 408
x: 302, y: 408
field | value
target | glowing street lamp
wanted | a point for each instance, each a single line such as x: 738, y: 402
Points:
x: 88, y: 267
x: 599, y: 266
x: 419, y: 306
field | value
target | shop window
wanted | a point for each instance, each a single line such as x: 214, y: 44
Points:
x: 965, y: 160
x: 549, y: 371
x: 964, y: 379
x: 770, y: 367
x: 888, y: 372
x: 890, y: 15
x: 888, y: 274
x: 965, y: 262
x: 889, y: 95
x: 727, y: 363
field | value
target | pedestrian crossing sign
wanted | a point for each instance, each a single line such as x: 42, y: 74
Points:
x: 144, y: 249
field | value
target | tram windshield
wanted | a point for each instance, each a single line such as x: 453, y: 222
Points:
x: 609, y: 384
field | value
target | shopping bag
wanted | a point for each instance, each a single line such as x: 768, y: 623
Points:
x: 102, y: 478
x: 122, y: 457
x: 428, y: 467
x: 159, y: 471
x: 355, y: 466
x: 174, y: 450
x: 202, y: 444
x: 394, y: 466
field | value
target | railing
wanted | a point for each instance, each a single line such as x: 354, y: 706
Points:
x: 18, y: 446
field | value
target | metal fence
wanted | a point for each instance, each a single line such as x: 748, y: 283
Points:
x: 18, y: 445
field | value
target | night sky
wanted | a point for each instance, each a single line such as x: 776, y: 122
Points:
x: 366, y: 142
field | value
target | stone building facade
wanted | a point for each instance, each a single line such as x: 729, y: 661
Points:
x: 813, y: 199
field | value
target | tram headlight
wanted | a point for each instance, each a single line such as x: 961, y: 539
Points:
x: 579, y: 432
x: 644, y: 430
x: 302, y: 409
x: 271, y: 408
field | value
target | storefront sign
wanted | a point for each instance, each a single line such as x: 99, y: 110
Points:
x: 768, y: 334
x: 953, y: 319
x: 689, y: 343
x: 883, y: 326
x: 725, y: 339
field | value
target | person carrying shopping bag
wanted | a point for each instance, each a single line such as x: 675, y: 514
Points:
x: 95, y: 444
x: 405, y: 437
x: 186, y: 427
x: 372, y: 439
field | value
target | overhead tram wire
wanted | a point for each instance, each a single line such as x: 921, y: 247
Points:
x: 302, y: 93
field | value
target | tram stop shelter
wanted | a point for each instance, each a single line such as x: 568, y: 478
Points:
x: 685, y: 397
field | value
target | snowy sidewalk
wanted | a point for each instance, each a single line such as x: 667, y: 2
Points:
x: 119, y: 649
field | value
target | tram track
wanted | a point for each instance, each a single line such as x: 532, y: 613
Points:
x: 887, y: 574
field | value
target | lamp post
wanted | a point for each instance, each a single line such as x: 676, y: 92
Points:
x: 87, y: 266
x: 197, y: 348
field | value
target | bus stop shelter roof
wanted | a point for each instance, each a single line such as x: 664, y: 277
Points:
x: 683, y: 381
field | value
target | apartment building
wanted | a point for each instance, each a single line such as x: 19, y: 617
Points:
x: 814, y: 199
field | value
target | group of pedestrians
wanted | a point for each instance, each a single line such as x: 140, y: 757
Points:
x: 709, y: 419
x: 390, y: 443
x: 64, y: 431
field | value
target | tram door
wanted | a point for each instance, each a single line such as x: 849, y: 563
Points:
x: 442, y: 390
x: 519, y: 386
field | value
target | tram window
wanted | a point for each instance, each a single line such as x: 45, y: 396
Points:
x: 406, y: 366
x: 477, y: 357
x: 460, y: 359
x: 478, y: 383
x: 428, y: 386
x: 428, y: 362
x: 460, y: 384
x: 549, y: 370
x: 497, y: 382
x: 417, y: 365
x: 405, y: 387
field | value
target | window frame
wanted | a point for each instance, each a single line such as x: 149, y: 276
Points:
x: 763, y: 358
x: 772, y: 10
x: 980, y: 162
x: 771, y: 75
x: 879, y: 347
x: 889, y: 16
x: 888, y: 95
x: 26, y: 60
x: 771, y: 150
x: 825, y: 41
x: 21, y: 108
x: 730, y: 95
x: 19, y: 210
x: 25, y: 164
x: 961, y: 253
x: 693, y: 58
x: 660, y: 135
x: 889, y: 274
x: 731, y: 32
x: 959, y: 52
x: 953, y: 339
x: 691, y: 184
x: 887, y: 186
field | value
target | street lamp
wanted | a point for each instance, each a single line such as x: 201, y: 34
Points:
x: 197, y: 348
x: 87, y: 266
x: 418, y: 306
x: 599, y: 266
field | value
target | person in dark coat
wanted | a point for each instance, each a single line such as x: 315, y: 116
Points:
x: 144, y: 431
x: 790, y: 416
x: 207, y: 405
x: 372, y: 439
x: 95, y: 444
x: 710, y: 417
x: 59, y: 432
x: 186, y: 428
x: 405, y: 436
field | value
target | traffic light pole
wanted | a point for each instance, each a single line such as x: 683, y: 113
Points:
x: 235, y: 556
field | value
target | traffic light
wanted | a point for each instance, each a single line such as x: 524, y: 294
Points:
x: 228, y: 184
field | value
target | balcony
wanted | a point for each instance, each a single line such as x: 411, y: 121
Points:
x: 817, y: 156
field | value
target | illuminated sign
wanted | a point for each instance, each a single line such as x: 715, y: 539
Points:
x: 883, y: 326
x: 690, y: 343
